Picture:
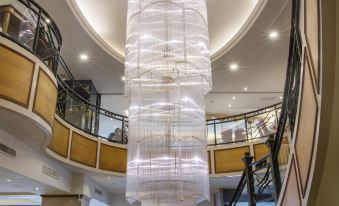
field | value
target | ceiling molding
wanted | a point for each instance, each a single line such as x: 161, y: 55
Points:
x: 121, y: 57
x: 91, y: 32
x: 242, y: 31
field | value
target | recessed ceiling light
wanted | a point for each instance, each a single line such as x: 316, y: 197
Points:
x: 229, y: 105
x: 123, y: 78
x: 233, y: 97
x: 273, y: 34
x: 9, y: 180
x: 37, y: 188
x: 245, y: 88
x: 108, y: 177
x: 83, y: 57
x: 234, y: 67
x: 281, y: 97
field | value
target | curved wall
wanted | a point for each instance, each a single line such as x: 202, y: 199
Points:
x: 77, y: 148
x: 28, y: 94
x: 312, y: 177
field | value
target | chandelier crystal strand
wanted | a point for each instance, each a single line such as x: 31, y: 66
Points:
x: 167, y: 74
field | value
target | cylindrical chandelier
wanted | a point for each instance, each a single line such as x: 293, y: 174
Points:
x: 167, y: 74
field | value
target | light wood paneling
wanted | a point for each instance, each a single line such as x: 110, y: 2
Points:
x: 260, y: 150
x: 291, y: 196
x: 312, y: 33
x: 83, y: 150
x: 306, y: 128
x: 113, y: 158
x: 229, y: 160
x: 45, y: 98
x: 60, y: 139
x: 16, y: 74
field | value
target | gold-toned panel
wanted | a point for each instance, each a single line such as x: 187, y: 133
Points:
x: 260, y: 150
x: 60, y: 139
x: 16, y: 74
x: 291, y: 196
x: 312, y: 32
x: 45, y: 98
x: 83, y: 150
x: 113, y: 158
x: 306, y: 128
x: 229, y: 160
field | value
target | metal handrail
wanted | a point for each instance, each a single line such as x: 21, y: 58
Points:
x: 288, y: 114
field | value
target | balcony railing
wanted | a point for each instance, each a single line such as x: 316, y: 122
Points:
x: 271, y: 169
x: 27, y: 24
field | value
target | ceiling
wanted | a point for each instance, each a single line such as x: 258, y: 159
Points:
x: 107, y: 20
x: 239, y: 32
x: 13, y: 183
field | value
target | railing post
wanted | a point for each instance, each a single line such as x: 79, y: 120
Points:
x: 275, y: 172
x: 37, y: 33
x: 247, y: 159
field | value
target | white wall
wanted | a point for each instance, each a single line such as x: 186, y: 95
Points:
x: 114, y: 103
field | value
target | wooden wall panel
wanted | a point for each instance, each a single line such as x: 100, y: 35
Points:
x: 60, y: 139
x: 83, y: 150
x: 260, y: 150
x: 291, y: 196
x: 312, y: 32
x: 229, y: 160
x: 306, y: 128
x: 113, y: 158
x: 16, y: 74
x: 45, y: 98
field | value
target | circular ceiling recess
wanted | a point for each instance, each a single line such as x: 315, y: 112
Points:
x: 105, y: 22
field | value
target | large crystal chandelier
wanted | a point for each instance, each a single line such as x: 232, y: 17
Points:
x: 167, y: 74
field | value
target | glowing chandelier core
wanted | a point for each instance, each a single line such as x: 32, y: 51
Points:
x: 167, y: 74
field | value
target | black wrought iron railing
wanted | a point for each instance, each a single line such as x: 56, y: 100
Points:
x: 243, y: 127
x: 269, y: 171
x: 27, y: 24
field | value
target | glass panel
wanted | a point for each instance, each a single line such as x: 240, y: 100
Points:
x: 233, y: 131
x: 22, y: 24
x: 210, y: 134
x: 262, y: 125
x: 78, y: 114
x: 110, y: 128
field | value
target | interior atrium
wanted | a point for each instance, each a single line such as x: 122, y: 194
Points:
x: 169, y: 102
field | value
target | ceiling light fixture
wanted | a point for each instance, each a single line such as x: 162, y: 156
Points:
x: 83, y: 57
x: 9, y: 180
x: 229, y: 105
x: 123, y: 78
x: 245, y: 88
x: 37, y: 188
x: 281, y: 97
x: 273, y: 34
x: 233, y: 67
x: 233, y: 97
x: 167, y: 76
x: 48, y: 21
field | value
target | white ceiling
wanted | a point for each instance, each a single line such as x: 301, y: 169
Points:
x: 108, y: 20
x: 262, y: 61
x: 22, y: 184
